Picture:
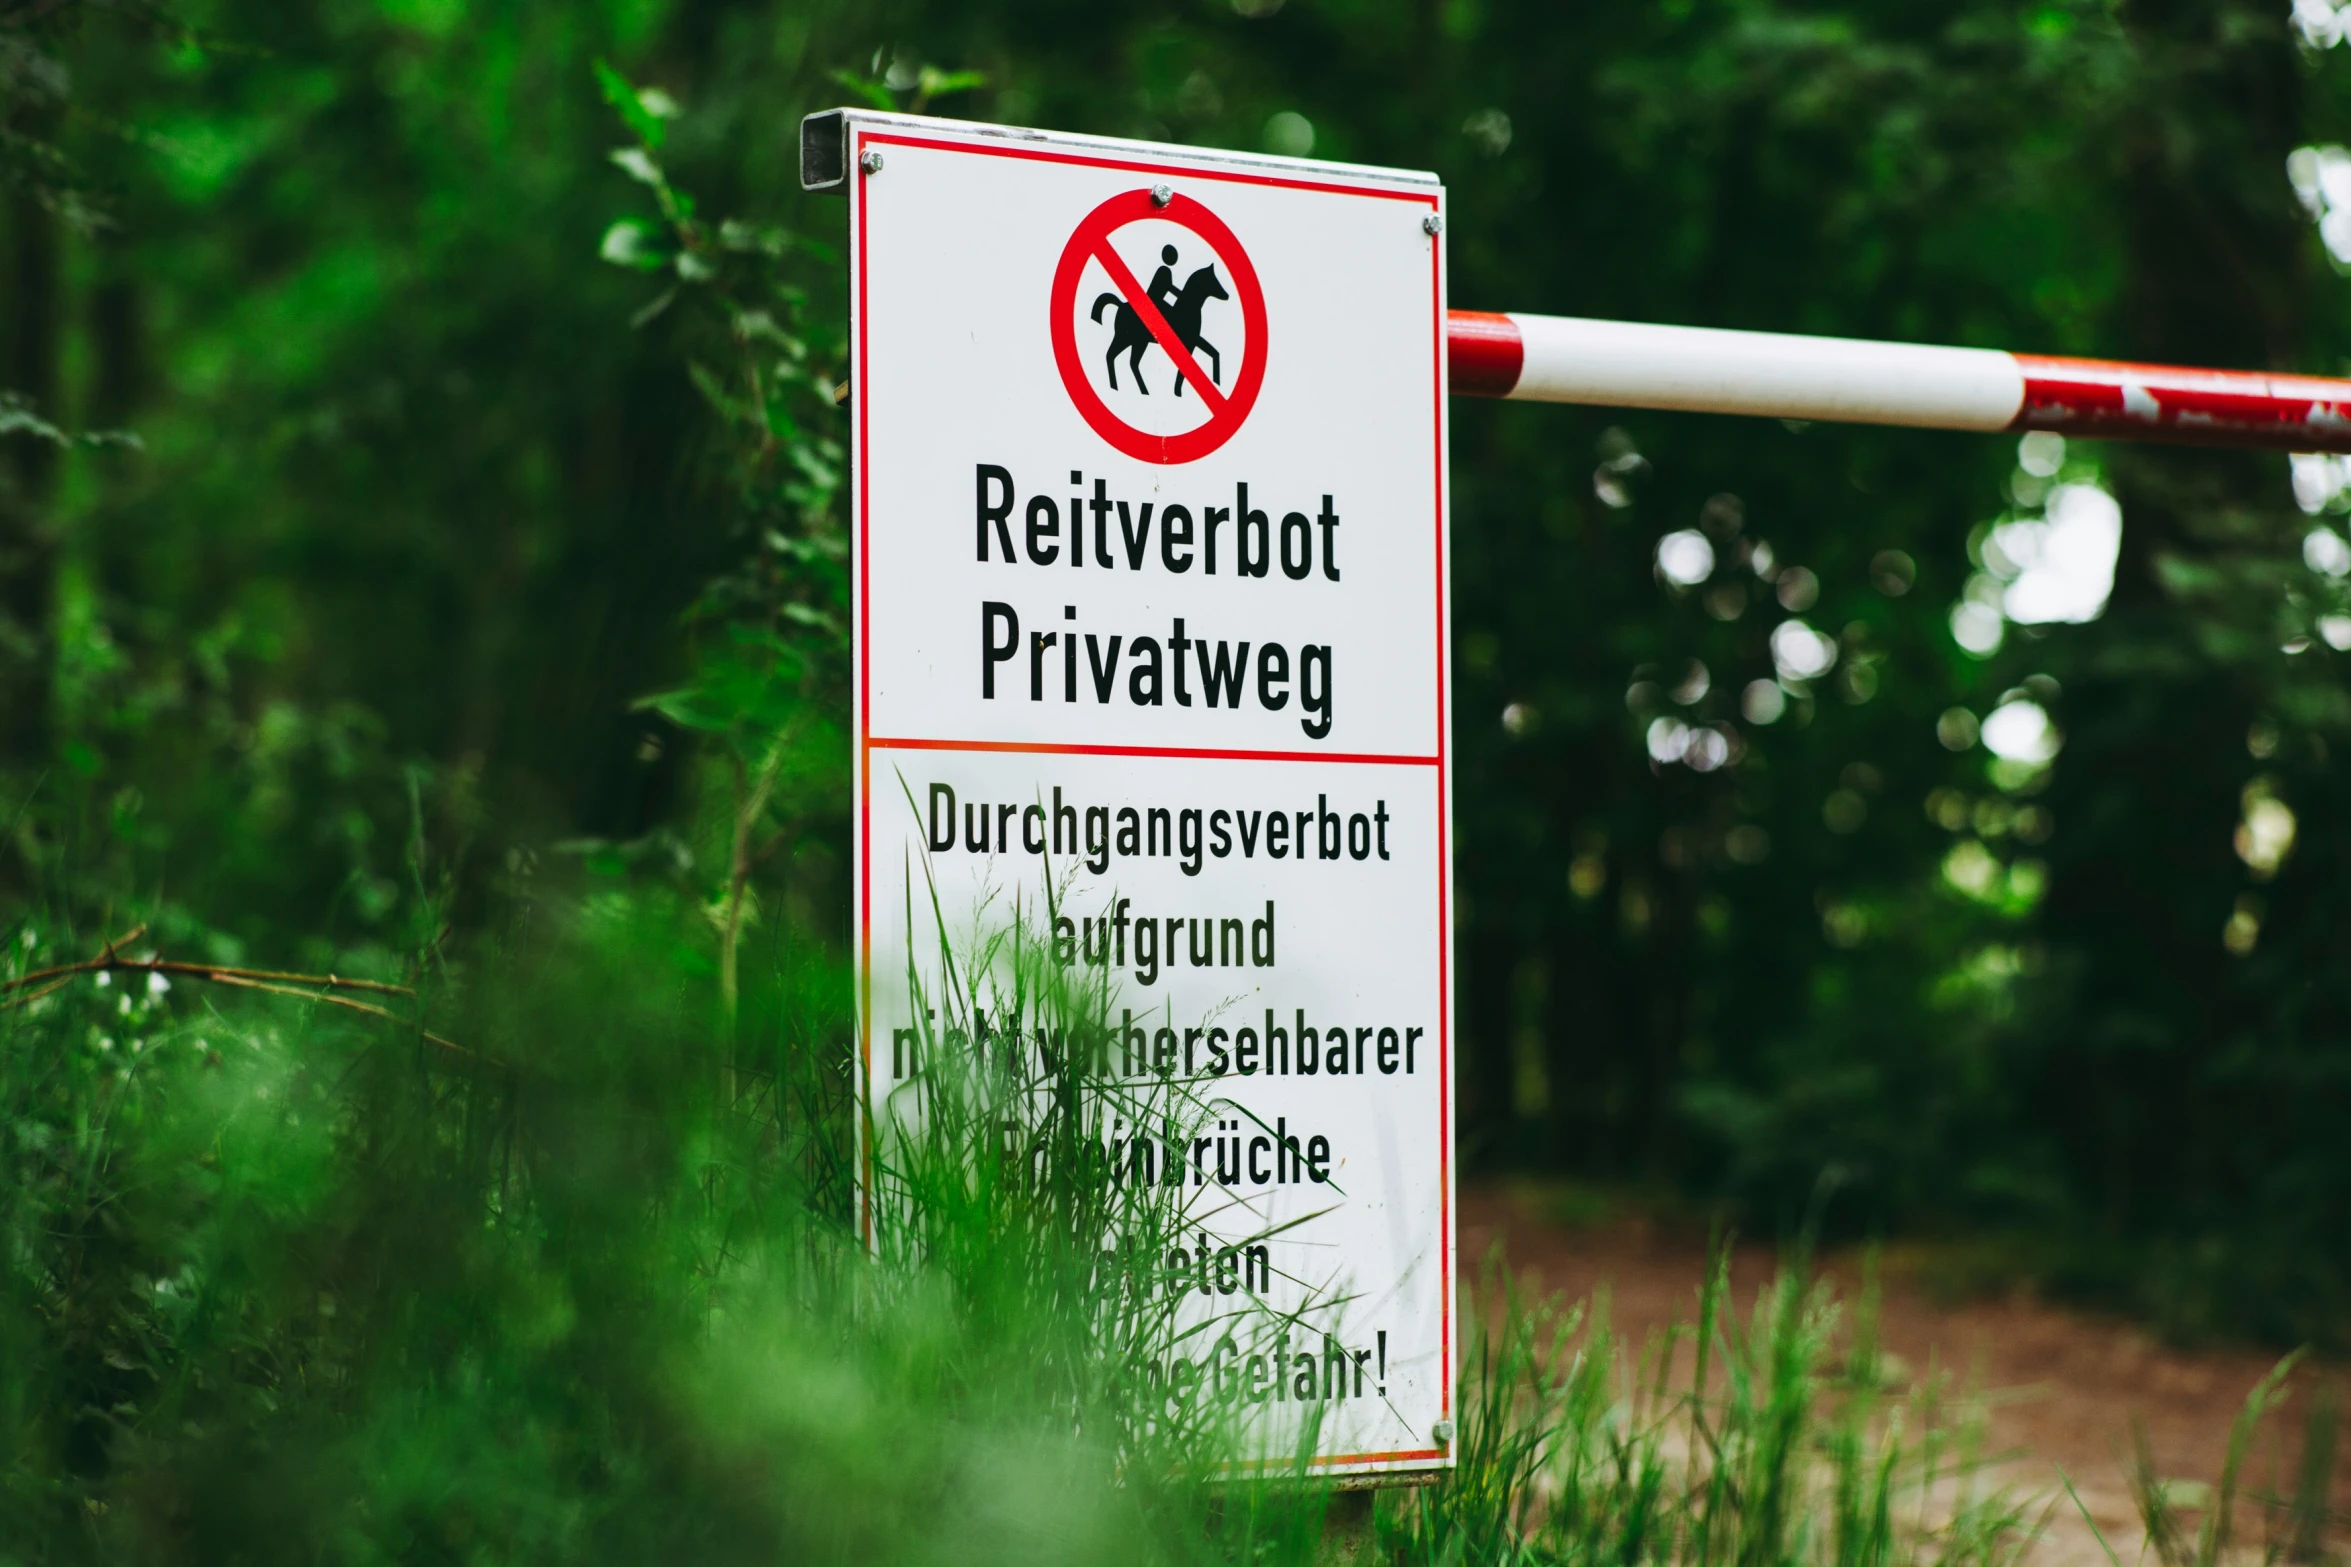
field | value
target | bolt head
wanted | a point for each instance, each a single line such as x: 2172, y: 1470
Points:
x: 1433, y: 225
x: 1442, y: 1431
x: 870, y: 162
x: 1161, y: 195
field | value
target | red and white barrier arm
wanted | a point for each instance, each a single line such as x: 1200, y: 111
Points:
x: 1623, y: 364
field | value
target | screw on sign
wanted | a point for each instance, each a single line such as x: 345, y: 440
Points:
x: 1129, y: 318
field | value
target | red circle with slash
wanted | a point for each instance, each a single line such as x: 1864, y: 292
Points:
x: 1226, y: 409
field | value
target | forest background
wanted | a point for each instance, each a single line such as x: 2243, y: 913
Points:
x: 416, y: 518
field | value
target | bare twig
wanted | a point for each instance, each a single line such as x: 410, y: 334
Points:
x: 50, y: 989
x: 338, y: 1001
x: 107, y: 962
x: 271, y: 981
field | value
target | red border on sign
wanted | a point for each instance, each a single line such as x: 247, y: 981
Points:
x: 1201, y: 753
x: 1090, y: 241
x: 867, y: 743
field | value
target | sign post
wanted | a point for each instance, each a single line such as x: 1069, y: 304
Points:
x: 1150, y: 595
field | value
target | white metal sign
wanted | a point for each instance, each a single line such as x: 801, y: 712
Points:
x: 1150, y: 551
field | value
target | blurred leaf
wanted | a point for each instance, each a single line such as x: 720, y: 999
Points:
x: 634, y: 162
x: 869, y: 91
x: 634, y: 243
x: 642, y: 110
x: 17, y: 418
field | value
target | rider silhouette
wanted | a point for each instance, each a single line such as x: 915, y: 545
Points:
x: 1163, y: 290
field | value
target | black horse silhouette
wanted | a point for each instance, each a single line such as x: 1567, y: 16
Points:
x: 1129, y: 336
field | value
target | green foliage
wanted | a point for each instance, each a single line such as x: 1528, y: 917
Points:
x: 588, y: 1285
x: 2165, y: 1510
x: 334, y: 1293
x: 769, y: 679
x: 466, y: 629
x: 1780, y: 1440
x: 483, y: 538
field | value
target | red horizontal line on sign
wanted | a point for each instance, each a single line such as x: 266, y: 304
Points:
x: 1043, y: 748
x: 1187, y: 172
x: 1261, y: 1464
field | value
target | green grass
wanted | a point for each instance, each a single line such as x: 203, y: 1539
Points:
x: 289, y: 1283
x: 1727, y: 1442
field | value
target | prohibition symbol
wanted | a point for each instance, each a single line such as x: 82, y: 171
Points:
x: 1170, y: 315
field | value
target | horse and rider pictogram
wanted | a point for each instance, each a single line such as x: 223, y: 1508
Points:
x: 1180, y: 307
x: 1183, y: 319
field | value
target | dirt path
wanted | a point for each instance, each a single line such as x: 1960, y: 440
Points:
x: 2063, y: 1385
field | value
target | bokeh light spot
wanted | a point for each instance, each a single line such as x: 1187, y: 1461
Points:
x: 1289, y: 134
x: 2265, y: 836
x: 1977, y: 628
x: 2324, y: 552
x: 2041, y: 453
x: 2019, y: 730
x: 1800, y: 653
x: 2065, y: 563
x: 1685, y: 558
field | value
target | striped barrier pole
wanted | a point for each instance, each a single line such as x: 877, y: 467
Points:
x: 1623, y: 364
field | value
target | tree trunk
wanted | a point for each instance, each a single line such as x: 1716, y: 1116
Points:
x: 28, y: 541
